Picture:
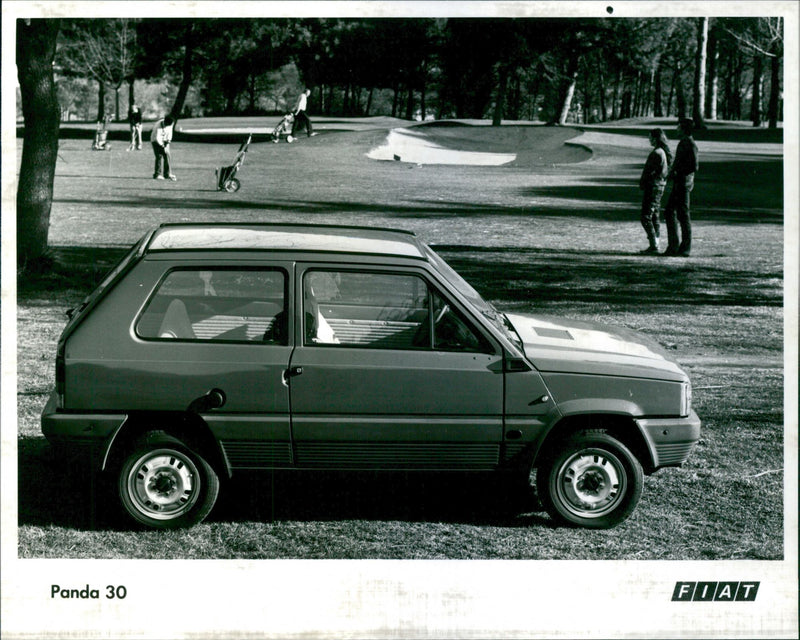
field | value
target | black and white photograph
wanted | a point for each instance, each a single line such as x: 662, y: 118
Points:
x: 400, y: 319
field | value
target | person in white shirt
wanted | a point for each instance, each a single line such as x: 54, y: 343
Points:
x: 160, y: 137
x: 300, y: 118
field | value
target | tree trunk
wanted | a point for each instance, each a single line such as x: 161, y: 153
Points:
x: 131, y: 100
x: 410, y: 101
x: 423, y: 82
x: 569, y: 89
x: 101, y: 101
x: 713, y: 74
x: 601, y: 91
x: 116, y: 103
x: 36, y: 47
x: 755, y: 105
x: 329, y: 105
x: 680, y: 95
x: 774, y: 91
x: 699, y: 93
x: 658, y: 106
x: 186, y: 78
x: 502, y: 80
x: 369, y: 102
x: 637, y: 90
x: 625, y: 106
x: 587, y: 97
x: 672, y: 85
x: 533, y: 96
x: 615, y: 97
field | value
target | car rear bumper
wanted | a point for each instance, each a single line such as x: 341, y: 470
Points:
x: 79, y: 433
x: 670, y: 440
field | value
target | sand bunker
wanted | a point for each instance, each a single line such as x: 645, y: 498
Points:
x: 408, y: 146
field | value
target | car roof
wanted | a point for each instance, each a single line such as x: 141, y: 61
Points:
x: 285, y: 237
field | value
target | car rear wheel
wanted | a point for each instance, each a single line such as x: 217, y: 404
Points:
x: 165, y: 485
x: 590, y: 480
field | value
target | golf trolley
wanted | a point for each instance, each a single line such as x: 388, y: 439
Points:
x: 283, y: 128
x: 226, y: 176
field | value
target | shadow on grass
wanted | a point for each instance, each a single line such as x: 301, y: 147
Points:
x: 413, y: 497
x: 541, y: 276
x: 725, y: 190
x: 64, y: 493
x: 424, y: 209
x: 714, y: 132
x: 61, y: 492
x: 511, y: 274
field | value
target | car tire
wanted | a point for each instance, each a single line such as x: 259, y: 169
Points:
x: 165, y: 485
x: 590, y: 480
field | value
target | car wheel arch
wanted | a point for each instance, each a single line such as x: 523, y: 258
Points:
x: 187, y: 428
x: 623, y: 427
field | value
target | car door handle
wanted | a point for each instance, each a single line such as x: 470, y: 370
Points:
x: 291, y: 372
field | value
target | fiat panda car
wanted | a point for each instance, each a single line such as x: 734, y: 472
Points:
x: 216, y: 348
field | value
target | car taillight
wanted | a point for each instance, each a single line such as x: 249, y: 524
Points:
x: 60, y: 378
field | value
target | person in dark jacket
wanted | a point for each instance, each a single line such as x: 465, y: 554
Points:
x: 652, y: 183
x: 135, y: 120
x: 682, y: 176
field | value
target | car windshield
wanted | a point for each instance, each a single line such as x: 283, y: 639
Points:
x: 487, y: 309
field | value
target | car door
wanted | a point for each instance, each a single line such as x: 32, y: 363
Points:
x: 219, y: 327
x: 389, y: 373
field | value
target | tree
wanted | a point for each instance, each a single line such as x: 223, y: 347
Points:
x: 712, y: 77
x: 699, y: 93
x: 167, y: 47
x: 104, y: 50
x: 763, y: 37
x: 36, y: 48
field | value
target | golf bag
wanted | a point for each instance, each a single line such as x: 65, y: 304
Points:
x: 226, y: 176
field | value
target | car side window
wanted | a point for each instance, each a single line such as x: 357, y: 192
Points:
x: 382, y: 311
x: 228, y: 305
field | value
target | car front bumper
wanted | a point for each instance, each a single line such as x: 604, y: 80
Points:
x: 670, y: 440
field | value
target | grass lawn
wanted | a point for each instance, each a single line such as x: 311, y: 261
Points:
x: 556, y: 231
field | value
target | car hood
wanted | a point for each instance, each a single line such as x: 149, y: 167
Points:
x: 570, y: 346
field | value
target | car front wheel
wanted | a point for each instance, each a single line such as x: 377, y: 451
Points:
x: 165, y: 485
x: 590, y: 480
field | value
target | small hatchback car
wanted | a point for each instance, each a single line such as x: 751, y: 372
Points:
x: 215, y: 348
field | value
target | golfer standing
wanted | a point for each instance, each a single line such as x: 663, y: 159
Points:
x: 135, y: 120
x: 300, y: 118
x: 160, y: 137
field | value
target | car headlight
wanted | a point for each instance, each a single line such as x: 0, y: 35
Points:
x: 686, y: 398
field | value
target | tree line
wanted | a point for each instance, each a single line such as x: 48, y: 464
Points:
x: 555, y: 70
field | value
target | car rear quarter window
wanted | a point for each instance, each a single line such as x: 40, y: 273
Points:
x: 218, y: 305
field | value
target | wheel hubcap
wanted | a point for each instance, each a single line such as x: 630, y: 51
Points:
x: 591, y: 483
x: 163, y: 484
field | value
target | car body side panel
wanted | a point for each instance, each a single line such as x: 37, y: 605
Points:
x: 529, y: 405
x: 396, y: 409
x: 582, y: 393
